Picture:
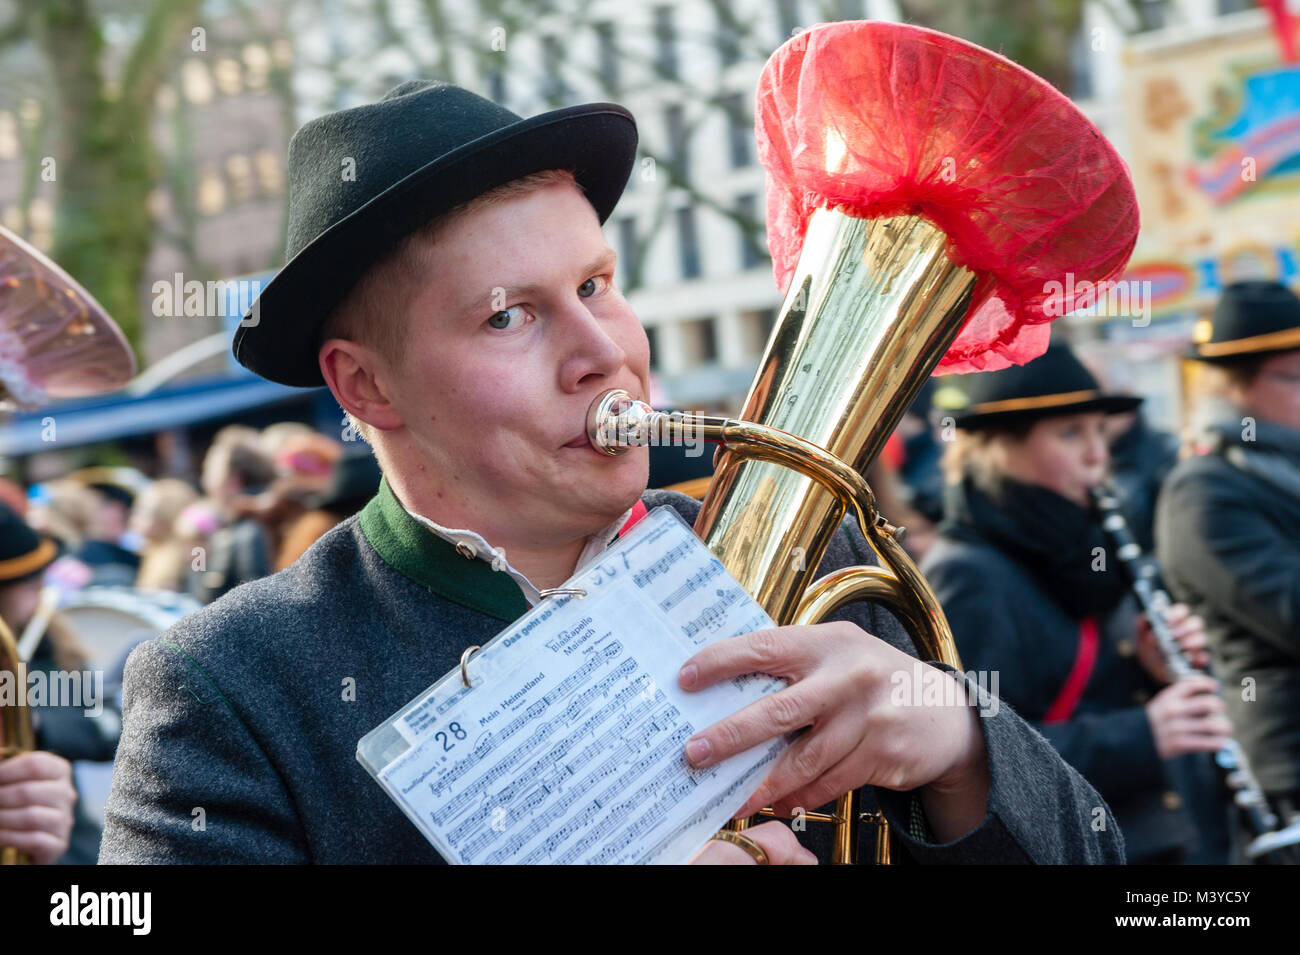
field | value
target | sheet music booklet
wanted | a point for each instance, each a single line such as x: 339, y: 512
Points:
x: 567, y: 747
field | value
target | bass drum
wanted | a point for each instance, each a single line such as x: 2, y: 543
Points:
x: 110, y: 621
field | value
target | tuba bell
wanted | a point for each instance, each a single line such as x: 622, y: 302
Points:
x: 892, y: 270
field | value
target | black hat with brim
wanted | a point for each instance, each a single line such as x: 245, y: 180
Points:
x: 1056, y: 383
x: 23, y: 552
x: 362, y: 179
x: 1251, y: 320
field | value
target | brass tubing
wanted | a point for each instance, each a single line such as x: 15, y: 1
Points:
x: 873, y: 306
x: 16, y: 734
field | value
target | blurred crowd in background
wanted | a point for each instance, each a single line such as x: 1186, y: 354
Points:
x: 261, y: 500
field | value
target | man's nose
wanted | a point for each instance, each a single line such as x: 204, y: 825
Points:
x: 588, y: 348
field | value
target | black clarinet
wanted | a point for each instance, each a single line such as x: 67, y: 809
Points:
x: 1270, y: 838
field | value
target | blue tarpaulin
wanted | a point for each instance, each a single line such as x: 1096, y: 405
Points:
x: 119, y: 415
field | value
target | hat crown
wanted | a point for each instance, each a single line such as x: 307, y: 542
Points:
x: 1052, y: 385
x: 341, y: 161
x: 1056, y: 371
x: 19, y: 546
x: 1246, y: 309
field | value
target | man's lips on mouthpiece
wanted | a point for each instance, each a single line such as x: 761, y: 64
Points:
x: 581, y: 440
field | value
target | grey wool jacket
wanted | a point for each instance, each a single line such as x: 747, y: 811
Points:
x: 1228, y: 539
x: 241, y: 721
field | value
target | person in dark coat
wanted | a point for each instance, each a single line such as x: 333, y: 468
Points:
x: 1228, y: 523
x: 1141, y: 457
x: 1024, y: 575
x: 468, y: 350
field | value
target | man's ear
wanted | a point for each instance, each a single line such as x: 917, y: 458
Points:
x: 353, y: 373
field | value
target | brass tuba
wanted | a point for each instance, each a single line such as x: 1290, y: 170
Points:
x: 933, y: 181
x: 16, y: 734
x: 873, y: 307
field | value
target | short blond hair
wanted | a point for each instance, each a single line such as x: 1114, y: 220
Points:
x: 368, y: 313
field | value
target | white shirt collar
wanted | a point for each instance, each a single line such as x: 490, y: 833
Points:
x: 473, y: 546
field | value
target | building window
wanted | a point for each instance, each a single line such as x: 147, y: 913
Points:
x: 282, y: 53
x: 740, y: 129
x: 1152, y: 14
x: 196, y: 82
x: 554, y: 88
x: 8, y: 135
x: 628, y: 249
x: 688, y: 247
x: 751, y: 256
x: 270, y: 175
x: 227, y: 76
x: 788, y: 16
x: 159, y: 203
x: 165, y: 99
x: 239, y: 170
x: 40, y: 215
x: 700, y: 342
x: 757, y: 328
x: 257, y: 61
x: 496, y: 84
x: 665, y: 42
x: 211, y: 194
x: 1081, y: 59
x: 607, y: 56
x: 652, y: 336
x: 728, y: 38
x: 675, y: 121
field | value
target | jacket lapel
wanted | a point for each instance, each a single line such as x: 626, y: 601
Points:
x: 417, y: 553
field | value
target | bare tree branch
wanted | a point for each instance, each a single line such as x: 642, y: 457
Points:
x: 149, y: 62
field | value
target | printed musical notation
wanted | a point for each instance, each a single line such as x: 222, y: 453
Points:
x: 568, y: 746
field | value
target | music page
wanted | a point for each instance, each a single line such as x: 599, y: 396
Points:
x: 567, y: 747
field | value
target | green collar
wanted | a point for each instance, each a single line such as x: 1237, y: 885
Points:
x: 419, y: 554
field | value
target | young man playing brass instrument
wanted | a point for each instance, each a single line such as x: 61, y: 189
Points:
x: 457, y: 298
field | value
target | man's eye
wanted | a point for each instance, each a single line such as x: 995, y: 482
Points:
x: 511, y: 317
x: 588, y: 288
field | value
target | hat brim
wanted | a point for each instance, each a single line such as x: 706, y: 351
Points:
x: 1237, y: 357
x: 1234, y: 359
x: 277, y: 338
x: 33, y: 562
x: 1107, y: 404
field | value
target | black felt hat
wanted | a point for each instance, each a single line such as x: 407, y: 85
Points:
x: 1251, y: 320
x: 23, y: 552
x: 362, y: 179
x: 1055, y: 383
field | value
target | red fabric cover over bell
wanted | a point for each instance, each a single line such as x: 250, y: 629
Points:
x: 881, y: 119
